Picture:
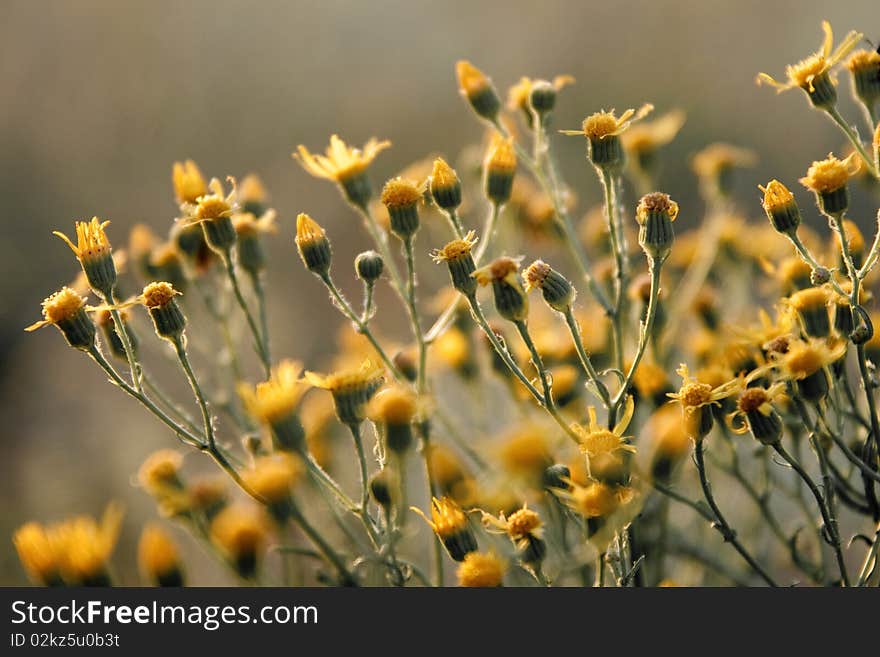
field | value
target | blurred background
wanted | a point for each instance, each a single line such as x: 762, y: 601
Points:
x: 99, y: 98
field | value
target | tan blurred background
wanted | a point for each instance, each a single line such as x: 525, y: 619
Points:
x: 98, y: 98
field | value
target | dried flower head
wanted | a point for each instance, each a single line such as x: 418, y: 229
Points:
x: 158, y: 557
x: 481, y: 569
x: 352, y: 389
x: 596, y: 499
x: 158, y: 294
x: 500, y: 269
x: 66, y: 310
x: 806, y: 357
x: 241, y: 532
x: 275, y: 400
x: 719, y: 157
x: 189, y: 184
x: 557, y: 291
x: 38, y: 552
x: 606, y: 450
x: 656, y: 203
x: 829, y: 175
x: 813, y: 71
x: 451, y: 526
x: 252, y: 190
x: 401, y: 192
x: 519, y: 526
x: 84, y: 546
x: 160, y: 472
x: 447, y: 517
x: 643, y: 139
x: 456, y: 250
x: 216, y: 205
x: 395, y: 405
x: 519, y: 96
x: 341, y: 162
x: 602, y: 125
x: 59, y: 307
x: 273, y: 476
x: 91, y: 240
x: 755, y: 412
x: 248, y: 224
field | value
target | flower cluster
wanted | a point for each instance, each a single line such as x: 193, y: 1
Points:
x: 542, y: 410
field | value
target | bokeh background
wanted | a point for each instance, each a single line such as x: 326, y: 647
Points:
x: 98, y: 99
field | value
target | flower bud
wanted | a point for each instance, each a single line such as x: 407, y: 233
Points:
x: 864, y: 65
x: 811, y: 305
x: 478, y: 90
x: 655, y: 214
x: 763, y: 420
x: 272, y: 478
x: 406, y: 364
x: 481, y: 569
x: 781, y: 208
x: 828, y: 180
x: 557, y: 291
x: 532, y: 550
x: 445, y: 186
x: 158, y: 557
x: 500, y: 168
x: 351, y: 390
x: 380, y: 489
x: 165, y: 264
x: 241, y: 534
x: 820, y: 276
x: 313, y: 245
x: 450, y: 524
x: 164, y: 311
x: 94, y: 253
x: 394, y: 409
x: 66, y: 310
x: 542, y: 96
x: 215, y: 215
x: 855, y: 244
x: 401, y: 197
x: 511, y: 301
x: 252, y: 195
x: 556, y: 476
x: 457, y: 256
x: 369, y: 266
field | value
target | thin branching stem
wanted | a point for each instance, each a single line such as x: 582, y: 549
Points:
x: 830, y: 522
x: 259, y: 346
x: 720, y: 522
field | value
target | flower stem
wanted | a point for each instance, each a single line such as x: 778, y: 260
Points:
x: 610, y: 190
x: 448, y: 314
x: 575, y: 331
x: 207, y: 420
x: 361, y: 325
x: 182, y: 433
x: 720, y: 523
x: 644, y: 337
x: 257, y: 282
x: 414, y: 314
x: 827, y: 518
x: 259, y: 346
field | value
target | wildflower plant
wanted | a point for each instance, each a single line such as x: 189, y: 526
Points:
x: 545, y: 430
